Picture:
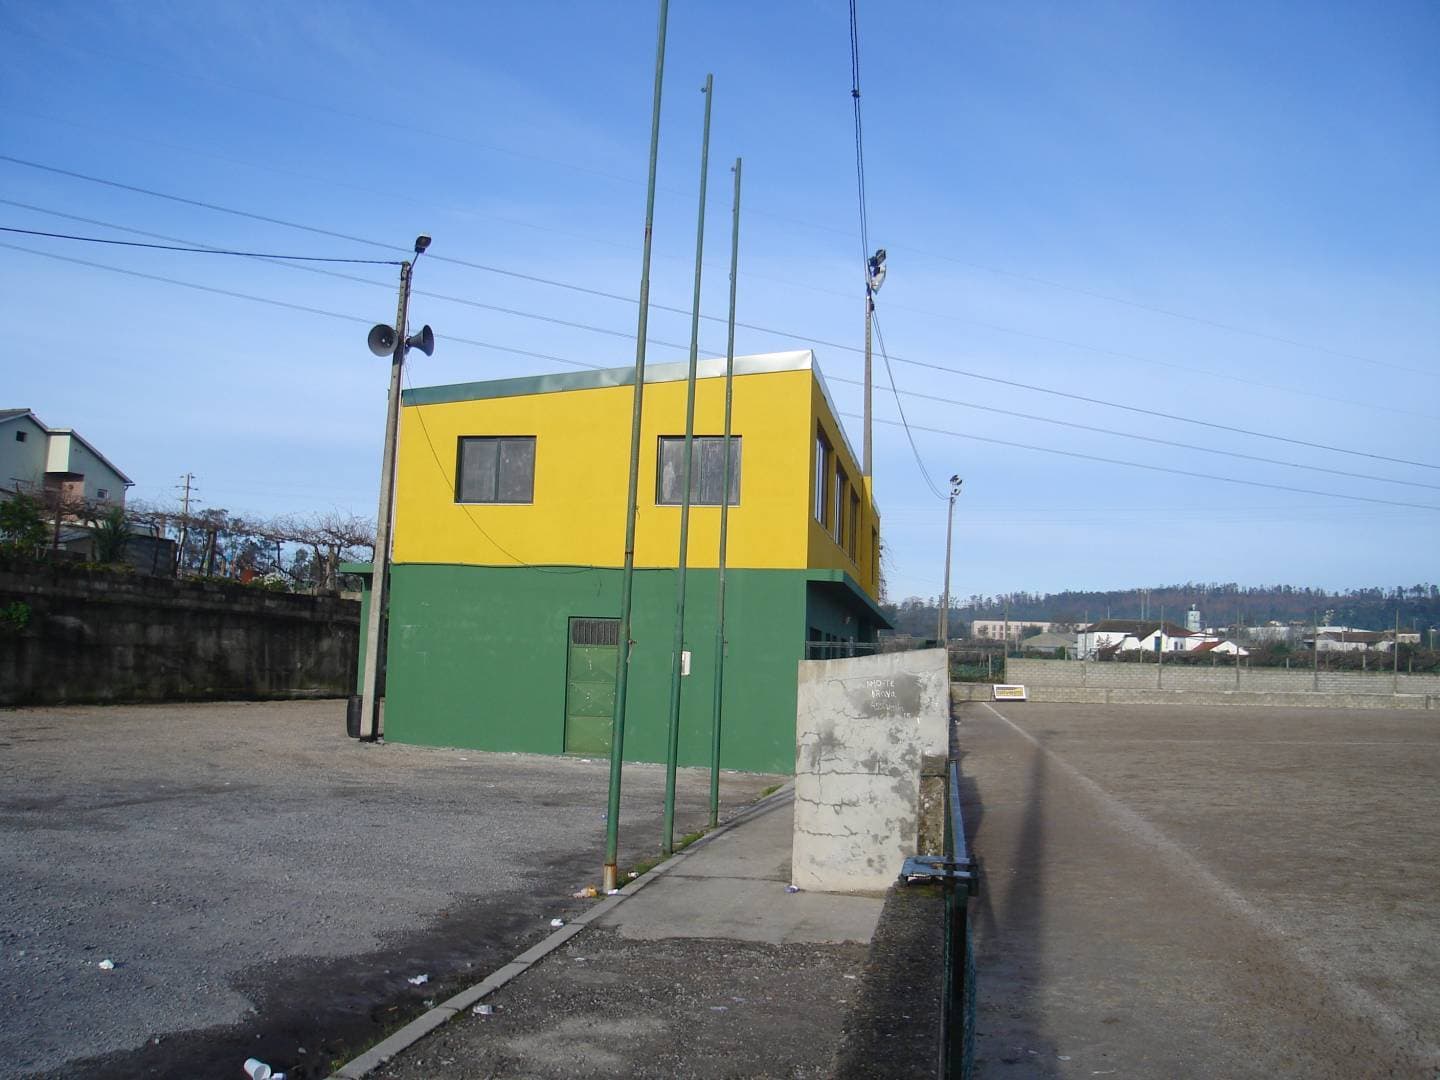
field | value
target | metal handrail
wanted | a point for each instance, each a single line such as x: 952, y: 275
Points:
x: 959, y: 875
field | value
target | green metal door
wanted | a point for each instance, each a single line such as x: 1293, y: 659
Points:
x: 590, y: 685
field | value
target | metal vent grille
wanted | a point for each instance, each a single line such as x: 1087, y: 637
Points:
x: 594, y: 631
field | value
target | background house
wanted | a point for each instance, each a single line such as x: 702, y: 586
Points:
x: 55, y: 461
x: 509, y: 528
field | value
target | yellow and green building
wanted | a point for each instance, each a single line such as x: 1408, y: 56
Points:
x: 508, y: 547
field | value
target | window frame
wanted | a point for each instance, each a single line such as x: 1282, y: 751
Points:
x: 823, y: 477
x: 499, y: 441
x: 738, y: 463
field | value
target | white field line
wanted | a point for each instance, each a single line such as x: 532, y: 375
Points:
x: 1358, y: 1000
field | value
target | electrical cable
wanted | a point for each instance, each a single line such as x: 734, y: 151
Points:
x: 1160, y: 468
x: 865, y: 244
x: 1143, y: 438
x: 1230, y: 377
x: 419, y: 411
x: 508, y: 349
x: 667, y: 344
x: 195, y: 250
x: 1161, y: 415
x: 915, y: 450
x: 629, y: 180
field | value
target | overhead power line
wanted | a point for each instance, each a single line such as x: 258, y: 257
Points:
x: 1159, y: 468
x: 195, y: 250
x: 574, y: 166
x: 1162, y: 415
x: 676, y: 345
x: 865, y: 258
x: 508, y: 349
x: 914, y: 450
x: 1143, y: 438
x: 570, y: 286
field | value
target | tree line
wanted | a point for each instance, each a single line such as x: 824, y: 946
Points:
x: 1221, y: 604
x: 299, y: 552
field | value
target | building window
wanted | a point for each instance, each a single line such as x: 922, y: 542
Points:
x: 102, y: 493
x: 491, y: 469
x: 823, y: 481
x: 853, y: 542
x: 707, y: 468
x: 839, y: 505
x: 20, y: 436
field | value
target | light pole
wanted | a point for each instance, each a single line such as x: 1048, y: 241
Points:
x: 874, y: 278
x: 955, y: 483
x: 384, y: 339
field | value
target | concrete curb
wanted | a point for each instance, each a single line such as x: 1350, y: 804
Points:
x: 427, y: 1022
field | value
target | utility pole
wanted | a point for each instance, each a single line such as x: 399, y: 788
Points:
x: 380, y: 564
x: 874, y: 278
x: 610, y: 872
x: 672, y: 752
x: 944, y: 635
x: 1395, y: 650
x: 1315, y: 651
x: 188, y: 480
x: 724, y: 514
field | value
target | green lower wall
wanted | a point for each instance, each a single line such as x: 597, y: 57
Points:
x: 477, y: 659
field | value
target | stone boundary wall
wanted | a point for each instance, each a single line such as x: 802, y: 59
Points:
x: 1222, y: 677
x: 1147, y: 684
x: 96, y: 637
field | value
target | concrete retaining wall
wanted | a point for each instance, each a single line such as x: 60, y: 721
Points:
x: 865, y: 728
x: 92, y: 637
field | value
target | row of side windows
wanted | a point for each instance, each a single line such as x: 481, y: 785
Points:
x: 501, y: 469
x: 837, y: 499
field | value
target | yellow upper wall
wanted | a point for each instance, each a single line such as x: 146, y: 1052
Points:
x: 582, y: 468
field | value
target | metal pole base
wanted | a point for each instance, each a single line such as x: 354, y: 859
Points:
x: 609, y: 879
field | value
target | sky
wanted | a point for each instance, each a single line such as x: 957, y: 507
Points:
x: 1227, y: 213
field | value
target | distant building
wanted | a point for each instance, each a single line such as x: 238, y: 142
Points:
x: 1049, y: 643
x: 1126, y: 635
x: 1345, y: 639
x: 1217, y: 647
x: 1009, y: 629
x: 42, y: 460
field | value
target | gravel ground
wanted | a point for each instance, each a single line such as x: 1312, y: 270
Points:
x: 1191, y: 891
x: 604, y: 1006
x: 263, y: 884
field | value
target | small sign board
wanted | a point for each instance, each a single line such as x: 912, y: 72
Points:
x: 1004, y: 692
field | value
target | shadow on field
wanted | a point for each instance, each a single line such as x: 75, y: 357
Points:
x: 1008, y: 923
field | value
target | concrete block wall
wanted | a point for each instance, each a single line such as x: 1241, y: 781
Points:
x: 94, y: 637
x: 867, y: 731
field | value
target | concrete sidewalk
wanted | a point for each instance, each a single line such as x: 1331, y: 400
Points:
x: 706, y: 967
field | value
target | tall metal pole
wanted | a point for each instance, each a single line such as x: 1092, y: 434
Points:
x: 610, y: 872
x: 867, y: 466
x: 944, y: 634
x: 380, y: 564
x: 719, y: 707
x: 672, y: 751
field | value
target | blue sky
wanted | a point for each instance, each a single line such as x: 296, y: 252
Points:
x: 1227, y: 212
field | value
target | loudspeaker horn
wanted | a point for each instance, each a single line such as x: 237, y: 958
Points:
x: 381, y: 340
x: 424, y: 340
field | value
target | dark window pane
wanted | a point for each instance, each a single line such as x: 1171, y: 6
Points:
x: 707, y: 468
x: 517, y: 470
x: 711, y: 460
x: 478, y: 460
x: 672, y: 462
